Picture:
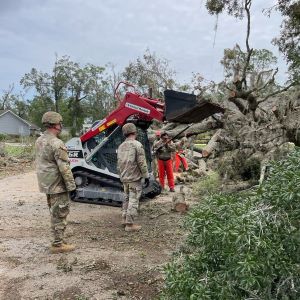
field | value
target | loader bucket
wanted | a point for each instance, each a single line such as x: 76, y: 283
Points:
x: 185, y: 108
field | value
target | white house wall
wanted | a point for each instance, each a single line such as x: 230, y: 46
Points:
x: 9, y: 124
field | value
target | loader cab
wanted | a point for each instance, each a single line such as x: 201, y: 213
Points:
x: 97, y: 139
x: 111, y: 139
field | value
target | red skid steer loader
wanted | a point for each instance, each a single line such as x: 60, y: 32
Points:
x: 93, y: 156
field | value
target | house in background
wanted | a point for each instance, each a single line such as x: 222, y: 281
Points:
x: 10, y: 123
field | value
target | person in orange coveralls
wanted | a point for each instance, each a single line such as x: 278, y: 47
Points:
x: 180, y: 153
x: 164, y: 150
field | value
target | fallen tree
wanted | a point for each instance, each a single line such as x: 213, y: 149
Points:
x: 261, y: 117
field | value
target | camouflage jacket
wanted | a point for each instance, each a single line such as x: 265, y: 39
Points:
x: 52, y: 165
x: 164, y: 151
x: 132, y: 164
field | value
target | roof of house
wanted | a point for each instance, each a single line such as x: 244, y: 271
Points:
x: 31, y: 125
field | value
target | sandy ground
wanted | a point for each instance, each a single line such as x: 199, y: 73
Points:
x: 108, y: 263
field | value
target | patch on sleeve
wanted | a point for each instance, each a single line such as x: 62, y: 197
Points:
x: 63, y: 153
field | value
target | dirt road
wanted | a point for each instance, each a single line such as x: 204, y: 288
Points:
x: 108, y: 263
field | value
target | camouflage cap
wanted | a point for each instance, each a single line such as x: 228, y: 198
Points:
x: 128, y: 129
x: 51, y: 117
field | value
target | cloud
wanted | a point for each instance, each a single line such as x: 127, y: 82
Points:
x: 10, y: 6
x: 119, y: 31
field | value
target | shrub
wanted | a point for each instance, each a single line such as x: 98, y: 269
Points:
x: 243, y: 246
x: 3, y: 137
x: 207, y: 185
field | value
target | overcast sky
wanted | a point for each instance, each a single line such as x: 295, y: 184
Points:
x: 118, y: 31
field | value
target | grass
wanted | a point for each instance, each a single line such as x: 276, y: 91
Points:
x: 12, y: 150
x: 200, y: 145
x: 207, y: 185
x: 19, y: 151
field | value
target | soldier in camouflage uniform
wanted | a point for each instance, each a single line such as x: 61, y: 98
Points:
x: 132, y: 168
x: 55, y: 178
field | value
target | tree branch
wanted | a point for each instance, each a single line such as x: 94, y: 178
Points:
x: 6, y: 95
x: 260, y: 75
x: 238, y: 104
x: 277, y: 92
x: 249, y: 51
x: 82, y: 98
x: 268, y: 82
x: 230, y: 89
x: 247, y: 8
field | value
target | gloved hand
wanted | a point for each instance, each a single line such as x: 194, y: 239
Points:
x: 72, y: 194
x: 146, y: 182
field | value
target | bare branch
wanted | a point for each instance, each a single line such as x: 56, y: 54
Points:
x: 277, y: 92
x: 260, y: 75
x: 228, y: 88
x: 268, y: 82
x: 82, y: 98
x: 249, y: 51
x: 247, y: 8
x: 6, y: 96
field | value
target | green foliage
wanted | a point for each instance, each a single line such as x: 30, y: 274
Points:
x: 259, y: 69
x: 73, y: 132
x: 75, y: 91
x: 37, y: 107
x: 243, y: 246
x: 207, y: 185
x: 150, y: 71
x: 232, y: 7
x: 3, y: 137
x: 289, y: 40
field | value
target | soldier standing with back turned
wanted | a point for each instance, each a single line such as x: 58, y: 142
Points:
x: 132, y: 168
x: 55, y: 178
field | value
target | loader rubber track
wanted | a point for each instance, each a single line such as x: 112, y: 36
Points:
x: 102, y: 179
x: 150, y: 192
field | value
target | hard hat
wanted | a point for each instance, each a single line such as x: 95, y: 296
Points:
x: 128, y: 129
x: 51, y: 117
x: 157, y: 133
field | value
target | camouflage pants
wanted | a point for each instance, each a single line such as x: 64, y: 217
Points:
x: 155, y: 167
x: 59, y: 205
x: 133, y: 191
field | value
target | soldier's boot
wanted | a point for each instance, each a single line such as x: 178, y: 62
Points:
x: 132, y: 227
x: 62, y: 248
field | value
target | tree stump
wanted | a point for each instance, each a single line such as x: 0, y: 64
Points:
x: 179, y: 203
